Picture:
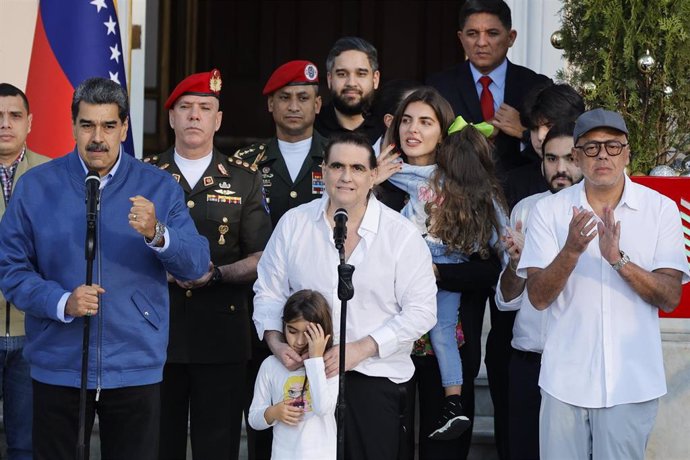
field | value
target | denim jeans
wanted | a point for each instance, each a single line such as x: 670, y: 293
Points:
x: 443, y: 335
x: 16, y: 391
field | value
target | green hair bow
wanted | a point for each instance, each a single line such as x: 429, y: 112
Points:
x: 459, y: 124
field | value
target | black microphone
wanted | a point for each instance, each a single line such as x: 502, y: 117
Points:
x: 340, y: 229
x: 93, y: 185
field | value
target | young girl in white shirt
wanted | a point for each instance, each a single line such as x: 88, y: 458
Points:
x: 299, y: 404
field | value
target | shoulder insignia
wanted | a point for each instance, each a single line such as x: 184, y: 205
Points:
x: 248, y: 151
x: 164, y: 166
x: 152, y: 160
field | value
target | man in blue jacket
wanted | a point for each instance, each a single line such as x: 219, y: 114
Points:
x: 143, y: 231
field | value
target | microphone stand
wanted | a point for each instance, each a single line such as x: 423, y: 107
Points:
x: 345, y: 292
x: 90, y: 254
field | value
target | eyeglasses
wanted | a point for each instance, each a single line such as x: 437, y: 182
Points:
x: 592, y: 149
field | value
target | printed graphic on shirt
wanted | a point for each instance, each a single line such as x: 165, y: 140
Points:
x: 294, y: 389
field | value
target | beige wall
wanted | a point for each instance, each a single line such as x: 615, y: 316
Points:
x: 17, y: 23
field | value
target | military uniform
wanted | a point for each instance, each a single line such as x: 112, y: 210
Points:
x: 211, y: 324
x: 282, y: 194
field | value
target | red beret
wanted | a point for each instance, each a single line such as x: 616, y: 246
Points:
x: 199, y: 84
x: 292, y: 73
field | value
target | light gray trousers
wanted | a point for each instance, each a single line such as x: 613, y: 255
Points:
x: 568, y: 432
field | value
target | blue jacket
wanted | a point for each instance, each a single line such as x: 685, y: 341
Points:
x: 42, y: 257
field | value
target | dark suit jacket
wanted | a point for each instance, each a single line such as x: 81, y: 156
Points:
x: 458, y: 87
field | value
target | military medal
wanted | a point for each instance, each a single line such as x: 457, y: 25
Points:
x: 222, y: 229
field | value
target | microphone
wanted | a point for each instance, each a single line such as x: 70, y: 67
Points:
x: 340, y: 229
x: 93, y: 184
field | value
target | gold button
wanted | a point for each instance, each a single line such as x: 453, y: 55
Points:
x: 232, y: 308
x: 188, y: 293
x: 225, y: 220
x: 293, y: 194
x: 190, y: 204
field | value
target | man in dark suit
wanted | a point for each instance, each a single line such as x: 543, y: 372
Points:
x: 488, y: 87
x: 290, y: 165
x: 204, y: 375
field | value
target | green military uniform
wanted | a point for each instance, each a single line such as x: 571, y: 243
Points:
x: 212, y: 324
x: 282, y: 194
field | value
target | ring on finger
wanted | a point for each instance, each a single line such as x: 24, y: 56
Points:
x: 582, y: 233
x: 88, y: 313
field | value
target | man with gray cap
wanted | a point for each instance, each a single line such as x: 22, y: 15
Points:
x: 602, y: 256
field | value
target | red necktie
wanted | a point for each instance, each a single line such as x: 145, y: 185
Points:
x: 487, y: 99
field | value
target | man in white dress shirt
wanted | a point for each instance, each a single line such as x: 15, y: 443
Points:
x: 529, y: 331
x: 394, y: 292
x: 602, y: 366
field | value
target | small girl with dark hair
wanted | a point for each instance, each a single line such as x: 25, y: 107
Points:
x: 299, y: 404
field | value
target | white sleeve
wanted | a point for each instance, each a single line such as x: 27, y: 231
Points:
x: 511, y: 305
x: 262, y: 398
x: 415, y: 293
x: 324, y: 392
x: 272, y: 286
x: 541, y: 243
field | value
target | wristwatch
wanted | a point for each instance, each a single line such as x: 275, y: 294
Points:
x: 624, y: 260
x: 158, y: 236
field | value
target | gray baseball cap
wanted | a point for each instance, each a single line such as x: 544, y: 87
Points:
x: 598, y: 118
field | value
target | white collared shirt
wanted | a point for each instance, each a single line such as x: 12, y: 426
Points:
x: 529, y: 329
x: 603, y: 345
x: 395, y: 288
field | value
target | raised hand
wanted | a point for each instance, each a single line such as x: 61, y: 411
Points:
x: 609, y: 237
x: 388, y: 163
x: 581, y: 230
x: 316, y: 339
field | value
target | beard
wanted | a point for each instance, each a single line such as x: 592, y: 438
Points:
x: 567, y: 177
x: 346, y: 107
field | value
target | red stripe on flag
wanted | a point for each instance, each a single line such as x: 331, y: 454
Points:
x: 50, y: 96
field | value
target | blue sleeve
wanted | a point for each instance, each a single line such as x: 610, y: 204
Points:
x: 187, y: 256
x: 19, y: 279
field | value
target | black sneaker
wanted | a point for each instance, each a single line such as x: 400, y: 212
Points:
x: 452, y: 422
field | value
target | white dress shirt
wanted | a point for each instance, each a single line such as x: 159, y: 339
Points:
x: 395, y: 289
x: 603, y: 346
x: 529, y: 329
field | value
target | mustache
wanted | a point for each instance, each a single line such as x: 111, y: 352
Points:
x: 96, y: 147
x: 561, y: 176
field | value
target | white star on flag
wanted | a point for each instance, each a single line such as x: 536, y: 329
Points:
x: 115, y: 53
x: 99, y: 4
x: 114, y: 77
x: 110, y: 25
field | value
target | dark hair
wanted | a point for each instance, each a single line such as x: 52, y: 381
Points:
x: 350, y: 138
x: 10, y: 90
x: 498, y: 8
x: 551, y: 103
x: 468, y: 194
x: 310, y: 306
x: 100, y: 91
x: 353, y: 44
x: 559, y: 129
x: 432, y: 98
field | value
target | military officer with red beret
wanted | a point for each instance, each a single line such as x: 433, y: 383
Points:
x: 204, y: 375
x: 290, y: 162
